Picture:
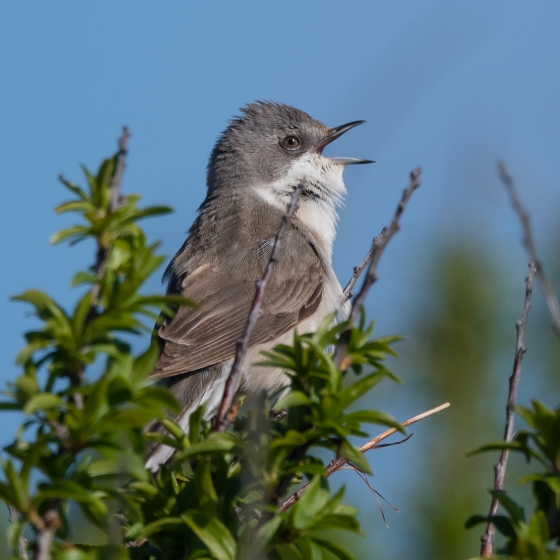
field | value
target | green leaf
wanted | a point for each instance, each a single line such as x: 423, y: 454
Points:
x: 500, y: 446
x: 213, y: 533
x: 205, y: 491
x: 10, y: 406
x: 356, y: 457
x: 516, y: 512
x: 151, y: 211
x: 293, y: 398
x: 165, y: 522
x: 336, y: 550
x: 216, y: 443
x: 74, y: 206
x: 267, y: 531
x: 17, y: 491
x: 96, y: 510
x: 361, y: 387
x: 374, y: 417
x: 314, y: 499
x: 538, y: 527
x: 42, y: 401
x: 76, y: 232
x: 27, y: 384
x: 288, y: 552
x: 15, y: 529
x: 75, y: 189
x: 310, y: 550
x: 174, y: 429
x: 504, y: 525
x: 63, y: 490
x: 474, y: 520
x: 527, y: 414
x: 195, y: 423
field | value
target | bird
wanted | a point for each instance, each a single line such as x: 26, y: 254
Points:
x: 257, y: 162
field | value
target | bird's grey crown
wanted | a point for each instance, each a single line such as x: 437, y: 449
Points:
x: 249, y: 150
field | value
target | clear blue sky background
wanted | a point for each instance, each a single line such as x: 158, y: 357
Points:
x: 451, y: 86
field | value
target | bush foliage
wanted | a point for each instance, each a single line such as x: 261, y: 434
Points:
x: 82, y: 440
x: 536, y: 537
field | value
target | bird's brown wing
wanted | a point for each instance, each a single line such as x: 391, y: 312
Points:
x: 197, y: 338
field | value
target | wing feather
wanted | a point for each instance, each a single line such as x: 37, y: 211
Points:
x: 198, y: 337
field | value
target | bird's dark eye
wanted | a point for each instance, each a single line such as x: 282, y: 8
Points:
x: 291, y: 142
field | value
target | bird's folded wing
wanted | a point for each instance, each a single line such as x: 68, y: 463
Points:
x: 206, y: 335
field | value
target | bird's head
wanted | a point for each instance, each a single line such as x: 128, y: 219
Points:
x: 271, y: 147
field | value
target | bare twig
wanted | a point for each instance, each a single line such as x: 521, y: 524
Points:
x: 337, y: 464
x: 119, y: 169
x: 116, y: 199
x: 529, y: 244
x: 44, y: 543
x: 357, y: 272
x: 393, y: 443
x: 487, y: 540
x: 375, y: 493
x: 372, y: 259
x: 22, y: 541
x: 254, y: 315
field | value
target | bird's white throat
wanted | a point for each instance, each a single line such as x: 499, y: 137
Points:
x: 324, y: 191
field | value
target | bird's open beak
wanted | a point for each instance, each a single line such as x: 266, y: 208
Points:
x: 333, y: 134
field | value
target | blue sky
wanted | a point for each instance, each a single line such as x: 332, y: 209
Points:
x: 451, y: 86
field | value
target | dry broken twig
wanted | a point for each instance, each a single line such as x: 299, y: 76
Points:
x: 487, y: 540
x: 529, y: 244
x: 337, y: 464
x: 242, y: 345
x: 372, y: 259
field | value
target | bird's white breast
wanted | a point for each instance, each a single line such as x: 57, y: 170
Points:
x: 317, y: 214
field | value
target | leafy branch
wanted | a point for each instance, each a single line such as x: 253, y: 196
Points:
x: 221, y: 496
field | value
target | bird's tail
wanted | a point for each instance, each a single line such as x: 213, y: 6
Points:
x: 191, y: 390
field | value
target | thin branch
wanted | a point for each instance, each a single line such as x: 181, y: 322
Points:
x: 357, y: 272
x: 401, y: 441
x: 337, y: 464
x: 487, y: 540
x: 376, y: 494
x: 116, y: 180
x: 372, y: 259
x: 116, y: 199
x: 22, y: 541
x: 529, y: 244
x: 46, y: 527
x: 44, y: 543
x: 255, y: 312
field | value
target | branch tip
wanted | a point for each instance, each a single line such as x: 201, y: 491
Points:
x: 487, y: 540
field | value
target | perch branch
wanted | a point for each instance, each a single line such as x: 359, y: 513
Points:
x: 529, y: 244
x: 487, y: 540
x: 255, y: 312
x: 371, y: 261
x: 337, y: 464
